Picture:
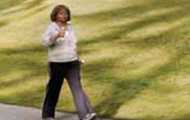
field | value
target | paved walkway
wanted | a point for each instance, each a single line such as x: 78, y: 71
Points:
x: 13, y: 112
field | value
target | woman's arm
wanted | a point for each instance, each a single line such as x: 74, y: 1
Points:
x: 72, y: 34
x: 49, y: 36
x: 74, y: 39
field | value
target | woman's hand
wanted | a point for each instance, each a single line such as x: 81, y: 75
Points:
x: 82, y: 61
x: 61, y: 33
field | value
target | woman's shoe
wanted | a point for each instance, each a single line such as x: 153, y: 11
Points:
x: 90, y: 116
x: 48, y: 119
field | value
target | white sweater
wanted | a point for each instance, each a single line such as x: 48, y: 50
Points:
x: 63, y: 49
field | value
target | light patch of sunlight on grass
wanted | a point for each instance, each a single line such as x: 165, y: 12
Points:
x: 140, y: 63
x: 126, y: 21
x: 101, y: 53
x: 89, y: 8
x: 139, y: 2
x: 13, y: 75
x: 24, y: 22
x: 156, y: 29
x: 166, y: 99
x: 22, y: 8
x: 152, y: 105
x: 182, y: 80
x: 158, y: 12
x: 29, y: 82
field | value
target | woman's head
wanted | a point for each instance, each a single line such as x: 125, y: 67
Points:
x: 60, y: 13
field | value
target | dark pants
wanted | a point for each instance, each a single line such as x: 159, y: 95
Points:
x: 57, y: 73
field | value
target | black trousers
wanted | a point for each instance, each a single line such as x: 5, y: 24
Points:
x: 71, y: 72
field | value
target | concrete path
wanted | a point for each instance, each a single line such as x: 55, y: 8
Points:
x: 13, y: 112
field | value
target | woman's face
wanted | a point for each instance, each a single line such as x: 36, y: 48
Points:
x: 62, y: 16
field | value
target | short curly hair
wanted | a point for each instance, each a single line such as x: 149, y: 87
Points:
x: 58, y: 8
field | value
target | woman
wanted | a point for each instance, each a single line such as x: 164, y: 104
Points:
x: 63, y: 62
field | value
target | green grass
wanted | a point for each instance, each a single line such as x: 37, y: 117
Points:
x: 137, y: 55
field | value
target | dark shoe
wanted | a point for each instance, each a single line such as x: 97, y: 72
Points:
x: 48, y: 119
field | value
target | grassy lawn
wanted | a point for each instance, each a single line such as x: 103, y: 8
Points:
x: 137, y: 55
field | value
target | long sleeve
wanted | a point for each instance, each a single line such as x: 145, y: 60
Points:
x: 64, y: 49
x: 49, y: 36
x: 72, y: 34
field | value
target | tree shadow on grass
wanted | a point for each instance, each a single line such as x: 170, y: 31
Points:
x: 126, y: 89
x: 116, y: 32
x: 6, y: 4
x: 184, y: 117
x: 132, y: 11
x: 3, y: 23
x: 20, y: 59
x: 37, y: 5
x: 25, y: 6
x: 22, y: 50
x: 26, y: 96
x: 101, y: 71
